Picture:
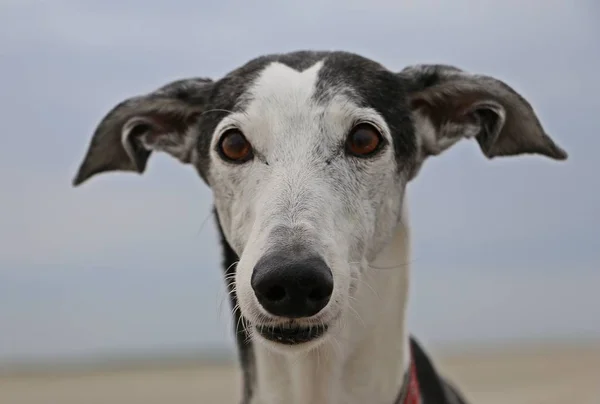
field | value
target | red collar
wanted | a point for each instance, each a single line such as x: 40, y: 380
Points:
x: 410, y: 393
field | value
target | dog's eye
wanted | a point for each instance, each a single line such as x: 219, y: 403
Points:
x: 363, y: 140
x: 234, y: 147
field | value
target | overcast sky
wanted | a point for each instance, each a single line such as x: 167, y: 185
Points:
x: 503, y: 249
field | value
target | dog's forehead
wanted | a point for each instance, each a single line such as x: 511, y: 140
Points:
x: 322, y: 72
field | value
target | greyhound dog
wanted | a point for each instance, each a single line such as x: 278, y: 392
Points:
x: 308, y: 155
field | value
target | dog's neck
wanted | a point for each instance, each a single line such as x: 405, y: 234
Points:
x: 366, y: 363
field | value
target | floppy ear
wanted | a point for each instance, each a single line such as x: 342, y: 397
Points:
x: 159, y: 121
x: 449, y: 104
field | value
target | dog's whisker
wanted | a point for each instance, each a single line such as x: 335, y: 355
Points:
x: 364, y: 281
x: 392, y: 267
x: 353, y: 310
x: 204, y: 223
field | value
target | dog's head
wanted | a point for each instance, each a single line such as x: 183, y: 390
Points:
x: 308, y: 155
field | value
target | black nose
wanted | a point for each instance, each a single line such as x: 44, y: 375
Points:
x: 292, y: 287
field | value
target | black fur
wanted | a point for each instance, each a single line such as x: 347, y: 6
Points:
x: 434, y: 389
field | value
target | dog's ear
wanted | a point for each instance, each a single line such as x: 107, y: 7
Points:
x: 159, y: 121
x: 449, y: 104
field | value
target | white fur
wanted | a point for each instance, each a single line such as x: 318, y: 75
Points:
x: 348, y: 210
x: 366, y: 362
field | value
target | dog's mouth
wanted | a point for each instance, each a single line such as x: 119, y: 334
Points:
x: 292, y: 334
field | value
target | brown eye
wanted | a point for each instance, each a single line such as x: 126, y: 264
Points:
x: 234, y: 147
x: 363, y: 140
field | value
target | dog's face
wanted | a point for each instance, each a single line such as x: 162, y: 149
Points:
x: 308, y: 155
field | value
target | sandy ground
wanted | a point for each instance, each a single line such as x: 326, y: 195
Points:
x: 544, y: 376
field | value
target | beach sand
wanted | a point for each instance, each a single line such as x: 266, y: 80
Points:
x: 543, y: 376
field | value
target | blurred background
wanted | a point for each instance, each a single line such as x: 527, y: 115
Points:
x: 126, y: 269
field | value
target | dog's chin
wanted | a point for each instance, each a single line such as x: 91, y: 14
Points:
x: 292, y: 334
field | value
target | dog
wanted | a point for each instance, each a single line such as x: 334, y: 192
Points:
x: 308, y: 155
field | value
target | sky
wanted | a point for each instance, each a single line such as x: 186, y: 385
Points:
x: 503, y: 250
